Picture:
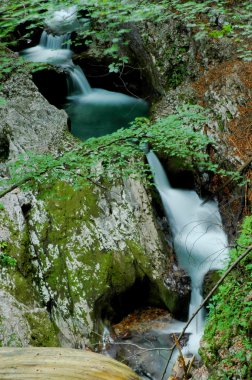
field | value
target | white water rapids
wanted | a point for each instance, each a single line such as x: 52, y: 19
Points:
x: 200, y: 243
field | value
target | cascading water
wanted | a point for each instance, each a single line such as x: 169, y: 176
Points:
x: 200, y: 243
x: 93, y: 112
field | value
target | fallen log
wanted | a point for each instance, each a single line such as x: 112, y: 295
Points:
x: 51, y: 363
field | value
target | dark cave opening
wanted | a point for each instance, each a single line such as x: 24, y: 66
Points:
x: 128, y: 81
x: 52, y: 82
x: 179, y: 175
x: 4, y: 148
x: 115, y: 306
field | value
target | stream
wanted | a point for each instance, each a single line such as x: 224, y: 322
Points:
x: 93, y: 112
x: 200, y: 243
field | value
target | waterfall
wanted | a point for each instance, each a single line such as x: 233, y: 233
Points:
x: 77, y: 82
x: 54, y: 42
x: 200, y: 243
x: 55, y: 49
x: 93, y: 112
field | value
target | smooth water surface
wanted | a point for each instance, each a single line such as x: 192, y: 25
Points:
x: 93, y: 112
x: 102, y: 112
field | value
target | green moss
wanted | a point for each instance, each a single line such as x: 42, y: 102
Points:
x: 123, y: 272
x: 43, y: 332
x: 75, y: 270
x: 227, y: 337
x: 21, y: 276
x: 137, y: 252
x: 61, y: 196
x: 210, y: 281
x: 23, y: 289
x: 8, y: 340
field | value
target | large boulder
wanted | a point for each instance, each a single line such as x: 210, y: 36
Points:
x: 27, y: 120
x: 24, y: 319
x: 89, y: 255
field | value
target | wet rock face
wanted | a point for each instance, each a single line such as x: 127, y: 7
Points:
x: 27, y: 120
x: 24, y: 319
x: 21, y: 326
x: 180, y: 282
x: 225, y: 91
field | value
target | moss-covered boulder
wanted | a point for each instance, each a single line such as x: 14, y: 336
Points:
x: 23, y: 318
x: 27, y: 120
x: 86, y: 255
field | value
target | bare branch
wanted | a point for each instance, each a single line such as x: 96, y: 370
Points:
x: 242, y: 256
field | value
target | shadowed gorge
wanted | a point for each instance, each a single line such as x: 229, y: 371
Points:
x: 141, y: 295
x: 125, y: 189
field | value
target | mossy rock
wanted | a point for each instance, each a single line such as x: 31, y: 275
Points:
x: 210, y: 280
x: 43, y: 332
x: 89, y: 246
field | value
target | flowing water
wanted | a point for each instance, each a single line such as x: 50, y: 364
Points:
x: 200, y: 243
x: 93, y: 112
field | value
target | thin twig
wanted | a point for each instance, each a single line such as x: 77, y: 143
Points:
x: 249, y: 248
x: 143, y: 349
x: 180, y: 355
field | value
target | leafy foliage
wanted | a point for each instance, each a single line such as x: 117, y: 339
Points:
x: 178, y: 135
x: 229, y: 326
x: 216, y: 19
x: 107, y: 20
x: 5, y: 259
x: 110, y: 20
x: 10, y: 64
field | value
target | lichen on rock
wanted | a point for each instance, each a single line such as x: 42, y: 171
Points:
x: 27, y: 120
x: 88, y: 245
x: 79, y: 251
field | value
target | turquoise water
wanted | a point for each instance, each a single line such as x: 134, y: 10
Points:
x: 102, y: 112
x: 93, y: 112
